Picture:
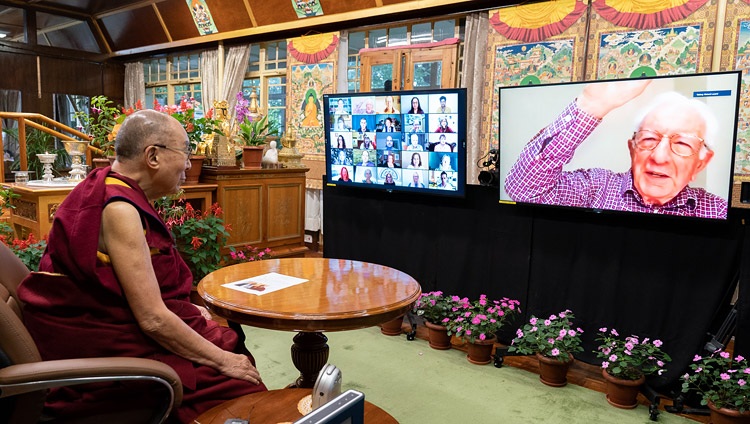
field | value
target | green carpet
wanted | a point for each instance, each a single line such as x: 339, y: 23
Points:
x: 418, y: 385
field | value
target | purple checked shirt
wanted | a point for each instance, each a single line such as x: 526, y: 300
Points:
x: 537, y: 176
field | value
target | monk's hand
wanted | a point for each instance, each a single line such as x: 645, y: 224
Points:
x: 204, y: 312
x: 240, y: 367
x: 598, y: 99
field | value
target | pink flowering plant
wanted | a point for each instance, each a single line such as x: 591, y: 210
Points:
x: 721, y: 380
x: 554, y: 337
x: 196, y: 128
x: 437, y: 308
x: 630, y: 358
x: 483, y: 318
x: 247, y: 254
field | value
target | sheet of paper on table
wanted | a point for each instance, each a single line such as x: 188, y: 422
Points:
x: 264, y: 284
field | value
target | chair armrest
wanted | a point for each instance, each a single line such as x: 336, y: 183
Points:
x: 30, y: 377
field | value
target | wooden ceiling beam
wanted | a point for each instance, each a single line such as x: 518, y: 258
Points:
x: 161, y: 22
x: 250, y: 13
x: 139, y: 5
x: 300, y: 24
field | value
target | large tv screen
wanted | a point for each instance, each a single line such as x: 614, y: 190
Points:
x: 411, y: 141
x: 661, y: 145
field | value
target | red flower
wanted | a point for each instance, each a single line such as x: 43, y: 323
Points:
x: 196, y: 242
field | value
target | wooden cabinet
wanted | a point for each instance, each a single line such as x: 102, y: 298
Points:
x: 263, y: 207
x: 36, y: 206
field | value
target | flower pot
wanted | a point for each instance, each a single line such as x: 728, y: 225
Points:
x: 100, y: 162
x: 622, y: 393
x: 728, y: 416
x: 192, y: 175
x: 480, y: 351
x: 392, y: 327
x: 439, y: 338
x: 252, y: 156
x: 552, y: 372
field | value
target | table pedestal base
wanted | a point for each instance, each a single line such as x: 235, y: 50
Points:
x: 309, y: 355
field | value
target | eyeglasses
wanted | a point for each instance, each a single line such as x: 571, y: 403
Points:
x: 684, y: 145
x: 186, y: 152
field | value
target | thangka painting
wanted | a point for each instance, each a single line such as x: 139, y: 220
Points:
x: 307, y: 8
x: 202, y: 17
x: 308, y: 83
x: 742, y: 61
x: 664, y: 51
x: 737, y: 56
x: 544, y: 62
x: 658, y: 39
x: 535, y: 43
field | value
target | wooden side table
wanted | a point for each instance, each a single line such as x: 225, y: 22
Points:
x: 276, y: 406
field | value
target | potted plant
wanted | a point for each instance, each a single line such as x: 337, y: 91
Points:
x: 722, y: 383
x: 252, y: 132
x: 29, y: 250
x: 479, y: 321
x: 198, y: 130
x: 199, y: 236
x: 626, y: 363
x: 437, y: 310
x: 100, y: 125
x: 553, y: 340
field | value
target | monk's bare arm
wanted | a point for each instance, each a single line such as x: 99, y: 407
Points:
x: 121, y: 236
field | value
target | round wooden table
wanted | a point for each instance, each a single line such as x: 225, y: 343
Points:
x: 276, y: 406
x: 339, y: 295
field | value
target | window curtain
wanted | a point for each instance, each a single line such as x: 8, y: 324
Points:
x: 209, y: 78
x: 10, y: 101
x: 234, y: 72
x: 135, y: 84
x: 475, y: 54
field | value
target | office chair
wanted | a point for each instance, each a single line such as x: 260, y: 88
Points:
x: 25, y: 378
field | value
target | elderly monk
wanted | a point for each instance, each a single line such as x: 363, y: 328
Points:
x: 114, y: 284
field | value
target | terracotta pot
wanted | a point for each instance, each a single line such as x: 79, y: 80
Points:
x: 728, y: 416
x: 552, y: 372
x: 100, y: 162
x: 252, y: 156
x: 192, y: 176
x: 622, y: 393
x: 480, y: 351
x: 439, y: 338
x: 392, y: 327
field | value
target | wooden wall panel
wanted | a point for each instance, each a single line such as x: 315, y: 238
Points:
x: 134, y: 28
x: 178, y: 19
x: 232, y: 15
x: 268, y: 13
x: 330, y: 8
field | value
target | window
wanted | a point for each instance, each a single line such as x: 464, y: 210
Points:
x: 169, y: 78
x: 427, y: 74
x: 266, y: 73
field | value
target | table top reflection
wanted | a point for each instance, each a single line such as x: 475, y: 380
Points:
x: 340, y: 295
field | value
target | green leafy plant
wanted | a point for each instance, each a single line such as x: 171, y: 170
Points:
x: 252, y: 131
x: 630, y: 358
x: 553, y: 337
x: 29, y: 250
x: 38, y: 141
x: 483, y: 318
x: 100, y: 124
x: 196, y: 128
x: 720, y: 380
x: 6, y: 202
x: 438, y: 308
x: 199, y: 236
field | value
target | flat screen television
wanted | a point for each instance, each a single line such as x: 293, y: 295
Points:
x: 409, y: 141
x: 658, y: 153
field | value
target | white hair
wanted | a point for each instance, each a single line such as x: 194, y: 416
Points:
x: 673, y: 98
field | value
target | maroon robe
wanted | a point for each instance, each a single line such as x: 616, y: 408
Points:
x: 84, y: 313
